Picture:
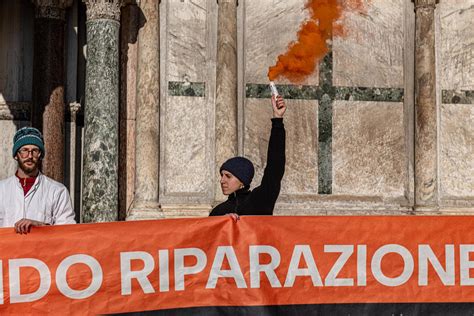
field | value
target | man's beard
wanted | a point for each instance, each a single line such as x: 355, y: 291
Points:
x: 27, y: 169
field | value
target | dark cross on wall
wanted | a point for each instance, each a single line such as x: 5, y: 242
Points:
x: 325, y: 93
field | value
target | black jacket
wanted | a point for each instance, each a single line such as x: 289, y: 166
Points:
x: 261, y: 201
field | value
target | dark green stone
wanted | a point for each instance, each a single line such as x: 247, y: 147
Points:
x: 458, y: 97
x: 187, y: 89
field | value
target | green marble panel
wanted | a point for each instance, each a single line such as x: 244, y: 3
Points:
x: 297, y: 92
x: 187, y: 89
x: 369, y: 94
x: 458, y: 97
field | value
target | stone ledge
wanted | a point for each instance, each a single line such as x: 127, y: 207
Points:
x: 185, y: 211
x: 14, y: 111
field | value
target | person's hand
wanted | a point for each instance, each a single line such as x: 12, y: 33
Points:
x: 234, y: 216
x: 23, y: 226
x: 278, y: 105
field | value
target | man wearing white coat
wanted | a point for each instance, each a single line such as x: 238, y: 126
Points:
x: 29, y: 198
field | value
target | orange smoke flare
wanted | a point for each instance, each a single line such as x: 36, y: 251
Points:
x: 325, y: 22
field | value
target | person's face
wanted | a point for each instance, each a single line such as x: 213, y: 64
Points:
x: 229, y: 183
x: 28, y: 158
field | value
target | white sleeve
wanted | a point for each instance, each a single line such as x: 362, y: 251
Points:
x: 63, y: 212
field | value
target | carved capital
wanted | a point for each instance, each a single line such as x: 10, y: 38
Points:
x: 74, y: 108
x: 236, y: 2
x: 52, y: 9
x: 425, y: 4
x: 103, y: 9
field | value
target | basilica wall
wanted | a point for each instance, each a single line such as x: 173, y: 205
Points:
x: 356, y: 141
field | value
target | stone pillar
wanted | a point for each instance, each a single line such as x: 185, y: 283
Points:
x: 100, y: 178
x: 128, y: 94
x: 48, y: 110
x: 426, y: 151
x: 226, y: 94
x: 74, y: 108
x: 147, y: 154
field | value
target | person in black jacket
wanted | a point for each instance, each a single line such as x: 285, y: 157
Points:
x: 237, y: 174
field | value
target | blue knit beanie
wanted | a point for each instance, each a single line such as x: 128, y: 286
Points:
x: 240, y: 167
x: 28, y: 136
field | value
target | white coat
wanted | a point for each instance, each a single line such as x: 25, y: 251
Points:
x: 47, y: 201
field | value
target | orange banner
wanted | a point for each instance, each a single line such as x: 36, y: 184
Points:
x: 166, y: 264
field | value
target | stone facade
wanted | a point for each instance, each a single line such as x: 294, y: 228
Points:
x: 383, y: 126
x: 455, y: 67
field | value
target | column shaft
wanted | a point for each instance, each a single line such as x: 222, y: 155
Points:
x: 48, y: 110
x: 100, y: 178
x: 426, y: 151
x: 145, y: 204
x: 226, y: 93
x: 128, y: 88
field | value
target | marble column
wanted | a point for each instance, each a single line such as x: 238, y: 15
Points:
x: 226, y: 93
x: 145, y: 204
x: 48, y: 110
x: 74, y: 158
x: 100, y: 172
x: 426, y: 138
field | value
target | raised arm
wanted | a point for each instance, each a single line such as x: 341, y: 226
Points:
x: 267, y: 193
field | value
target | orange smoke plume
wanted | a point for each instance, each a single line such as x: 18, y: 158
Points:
x: 325, y: 22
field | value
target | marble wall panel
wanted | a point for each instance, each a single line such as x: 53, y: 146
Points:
x: 456, y: 42
x: 7, y: 163
x: 269, y: 26
x: 187, y: 37
x: 369, y: 149
x: 186, y: 156
x: 301, y: 138
x: 457, y: 151
x: 371, y: 54
x: 456, y: 76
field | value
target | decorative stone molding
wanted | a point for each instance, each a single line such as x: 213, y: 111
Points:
x: 229, y: 1
x: 52, y: 9
x: 103, y: 9
x: 420, y: 4
x: 426, y: 122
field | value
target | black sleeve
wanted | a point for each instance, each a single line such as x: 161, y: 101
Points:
x: 264, y: 196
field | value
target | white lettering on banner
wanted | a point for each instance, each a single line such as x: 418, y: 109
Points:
x: 331, y: 278
x: 163, y: 256
x: 465, y: 264
x: 407, y: 269
x: 268, y: 269
x: 180, y: 270
x: 14, y: 266
x: 294, y: 270
x: 425, y: 254
x: 362, y: 265
x: 61, y: 276
x: 217, y: 272
x: 301, y: 264
x: 141, y: 275
x: 1, y: 282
